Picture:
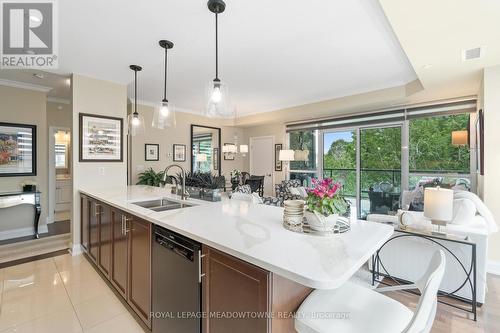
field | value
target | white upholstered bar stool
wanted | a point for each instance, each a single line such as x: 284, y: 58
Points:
x: 353, y: 308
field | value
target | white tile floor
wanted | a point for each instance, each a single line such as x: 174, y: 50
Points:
x: 61, y: 294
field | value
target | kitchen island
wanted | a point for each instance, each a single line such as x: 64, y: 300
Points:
x: 279, y: 267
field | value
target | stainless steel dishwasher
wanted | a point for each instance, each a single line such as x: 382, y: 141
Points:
x: 176, y: 283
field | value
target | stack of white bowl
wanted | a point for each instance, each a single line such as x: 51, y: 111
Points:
x: 293, y: 214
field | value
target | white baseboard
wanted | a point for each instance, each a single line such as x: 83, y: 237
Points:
x: 22, y: 232
x: 493, y: 267
x: 76, y: 249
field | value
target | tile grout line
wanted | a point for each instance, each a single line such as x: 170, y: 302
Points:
x: 67, y: 294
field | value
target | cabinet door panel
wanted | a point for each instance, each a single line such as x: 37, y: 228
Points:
x: 94, y: 211
x: 140, y: 267
x: 119, y: 253
x: 84, y: 222
x: 232, y: 285
x: 105, y: 240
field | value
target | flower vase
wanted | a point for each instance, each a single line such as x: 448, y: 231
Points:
x: 320, y: 222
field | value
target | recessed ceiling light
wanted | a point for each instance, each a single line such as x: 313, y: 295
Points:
x: 59, y: 107
x: 427, y: 66
x: 38, y: 75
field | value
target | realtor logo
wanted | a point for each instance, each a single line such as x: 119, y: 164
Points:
x: 28, y: 34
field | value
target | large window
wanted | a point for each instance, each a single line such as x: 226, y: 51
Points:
x: 432, y: 155
x: 381, y: 162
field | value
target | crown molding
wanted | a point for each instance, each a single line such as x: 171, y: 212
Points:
x: 24, y: 85
x: 58, y: 100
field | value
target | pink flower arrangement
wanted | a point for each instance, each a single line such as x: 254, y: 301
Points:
x: 324, y: 197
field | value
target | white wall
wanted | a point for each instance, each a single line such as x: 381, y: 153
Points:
x: 180, y: 134
x: 491, y: 181
x: 102, y: 98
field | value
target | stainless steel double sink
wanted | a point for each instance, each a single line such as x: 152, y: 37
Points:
x: 160, y: 205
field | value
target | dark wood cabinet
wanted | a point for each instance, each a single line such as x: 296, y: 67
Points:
x: 232, y: 285
x: 84, y: 225
x: 139, y: 292
x: 119, y: 252
x: 120, y: 246
x: 94, y: 212
x: 104, y: 260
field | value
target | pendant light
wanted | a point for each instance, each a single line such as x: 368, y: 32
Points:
x: 164, y: 115
x: 135, y: 120
x: 217, y: 91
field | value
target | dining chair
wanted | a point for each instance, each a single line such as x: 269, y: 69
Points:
x: 354, y: 308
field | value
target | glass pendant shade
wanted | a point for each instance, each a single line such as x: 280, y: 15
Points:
x: 135, y: 124
x: 217, y: 97
x: 164, y: 116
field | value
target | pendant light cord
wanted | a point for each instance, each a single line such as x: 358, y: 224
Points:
x: 135, y: 90
x: 165, y: 84
x: 216, y: 47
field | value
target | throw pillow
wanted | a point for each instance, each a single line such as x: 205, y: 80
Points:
x: 464, y: 211
x: 243, y: 189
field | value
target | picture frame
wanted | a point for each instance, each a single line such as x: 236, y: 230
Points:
x: 278, y: 165
x: 479, y: 125
x: 228, y: 156
x: 151, y: 152
x: 100, y: 138
x: 179, y: 153
x: 216, y: 159
x: 14, y: 161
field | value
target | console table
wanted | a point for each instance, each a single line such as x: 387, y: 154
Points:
x: 440, y: 241
x: 11, y: 199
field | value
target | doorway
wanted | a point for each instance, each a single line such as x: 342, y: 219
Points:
x: 262, y: 160
x: 60, y: 179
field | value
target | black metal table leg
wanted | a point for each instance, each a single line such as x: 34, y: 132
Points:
x: 38, y: 211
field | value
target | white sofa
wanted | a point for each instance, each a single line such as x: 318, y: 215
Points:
x: 406, y: 257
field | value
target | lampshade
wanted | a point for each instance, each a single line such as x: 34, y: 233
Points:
x: 201, y: 157
x: 286, y: 155
x: 459, y: 138
x: 243, y: 149
x: 438, y: 204
x: 164, y: 116
x: 302, y: 155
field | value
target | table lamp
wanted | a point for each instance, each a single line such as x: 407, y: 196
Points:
x: 285, y: 156
x: 438, y: 207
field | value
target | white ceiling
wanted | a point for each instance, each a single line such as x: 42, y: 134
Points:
x: 273, y: 54
x: 434, y: 34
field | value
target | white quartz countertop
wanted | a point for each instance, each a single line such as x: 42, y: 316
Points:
x: 254, y: 233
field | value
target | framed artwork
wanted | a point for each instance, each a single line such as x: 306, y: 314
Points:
x: 101, y: 138
x: 278, y: 165
x: 228, y: 156
x: 179, y: 153
x: 17, y: 150
x: 216, y: 158
x: 151, y: 152
x: 480, y: 142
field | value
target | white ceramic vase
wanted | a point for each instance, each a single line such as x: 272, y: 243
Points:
x: 319, y: 222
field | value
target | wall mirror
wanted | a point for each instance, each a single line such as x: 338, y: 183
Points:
x: 205, y: 149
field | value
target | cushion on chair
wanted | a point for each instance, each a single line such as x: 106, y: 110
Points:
x: 351, y: 309
x: 243, y: 189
